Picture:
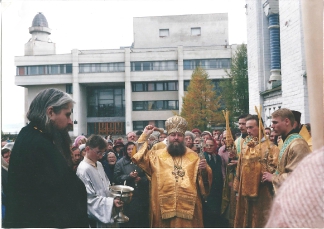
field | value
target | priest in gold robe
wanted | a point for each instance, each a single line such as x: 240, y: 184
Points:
x: 179, y: 178
x: 293, y: 150
x: 254, y: 197
x: 241, y: 141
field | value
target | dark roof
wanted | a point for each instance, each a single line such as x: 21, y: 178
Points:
x: 39, y: 21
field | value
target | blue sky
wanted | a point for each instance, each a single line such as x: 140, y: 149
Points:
x: 89, y: 25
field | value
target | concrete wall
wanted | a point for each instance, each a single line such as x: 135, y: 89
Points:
x: 214, y: 30
x: 254, y: 41
x: 294, y: 87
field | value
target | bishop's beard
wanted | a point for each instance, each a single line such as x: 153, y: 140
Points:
x: 62, y: 140
x: 177, y: 149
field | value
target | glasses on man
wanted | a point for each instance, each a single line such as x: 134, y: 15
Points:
x: 99, y: 152
x: 208, y: 145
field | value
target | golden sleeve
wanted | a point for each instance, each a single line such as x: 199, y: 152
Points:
x: 205, y: 179
x: 238, y: 174
x: 297, y: 150
x: 142, y: 157
x: 272, y: 160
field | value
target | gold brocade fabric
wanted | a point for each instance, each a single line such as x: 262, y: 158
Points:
x: 293, y: 154
x: 228, y: 195
x: 254, y: 197
x: 173, y: 203
x: 308, y: 138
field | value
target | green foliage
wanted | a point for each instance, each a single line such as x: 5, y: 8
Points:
x: 235, y: 89
x: 201, y: 104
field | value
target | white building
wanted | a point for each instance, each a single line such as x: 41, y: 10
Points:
x: 276, y: 58
x: 120, y: 90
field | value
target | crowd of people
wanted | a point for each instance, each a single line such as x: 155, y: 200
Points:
x: 180, y: 177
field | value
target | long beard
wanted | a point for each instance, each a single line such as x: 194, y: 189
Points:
x: 62, y: 141
x: 176, y: 149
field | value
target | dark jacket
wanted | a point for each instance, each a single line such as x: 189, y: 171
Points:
x: 214, y: 199
x: 137, y: 209
x: 43, y: 191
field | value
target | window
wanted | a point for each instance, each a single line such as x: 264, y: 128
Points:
x: 159, y: 105
x: 139, y: 125
x: 32, y: 70
x: 164, y: 32
x: 106, y: 102
x: 151, y: 86
x: 138, y: 106
x: 195, y: 31
x: 69, y: 88
x: 138, y: 87
x: 186, y: 84
x: 172, y: 105
x: 159, y: 86
x: 172, y: 86
x: 54, y: 69
x: 147, y: 66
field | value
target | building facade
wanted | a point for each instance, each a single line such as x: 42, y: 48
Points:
x: 120, y: 90
x: 276, y: 58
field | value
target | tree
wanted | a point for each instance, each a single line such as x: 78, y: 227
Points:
x: 200, y: 104
x: 235, y: 89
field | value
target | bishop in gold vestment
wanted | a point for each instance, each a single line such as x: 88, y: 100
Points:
x: 175, y: 190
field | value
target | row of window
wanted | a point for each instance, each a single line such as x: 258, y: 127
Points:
x: 155, y: 86
x: 220, y: 63
x: 140, y: 125
x: 44, y: 69
x: 165, y: 86
x: 155, y: 105
x: 195, y: 31
x: 103, y: 67
x: 171, y: 65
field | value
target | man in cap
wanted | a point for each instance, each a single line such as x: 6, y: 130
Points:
x: 110, y: 145
x: 302, y: 129
x: 197, y: 132
x: 118, y: 149
x: 177, y: 175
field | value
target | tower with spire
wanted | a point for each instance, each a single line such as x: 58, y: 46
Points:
x: 39, y: 43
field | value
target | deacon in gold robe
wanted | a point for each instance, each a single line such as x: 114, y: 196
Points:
x: 179, y: 178
x: 293, y: 150
x: 254, y: 196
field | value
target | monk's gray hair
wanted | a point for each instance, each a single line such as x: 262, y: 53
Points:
x: 51, y: 97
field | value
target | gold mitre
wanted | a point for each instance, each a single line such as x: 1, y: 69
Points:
x: 176, y: 124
